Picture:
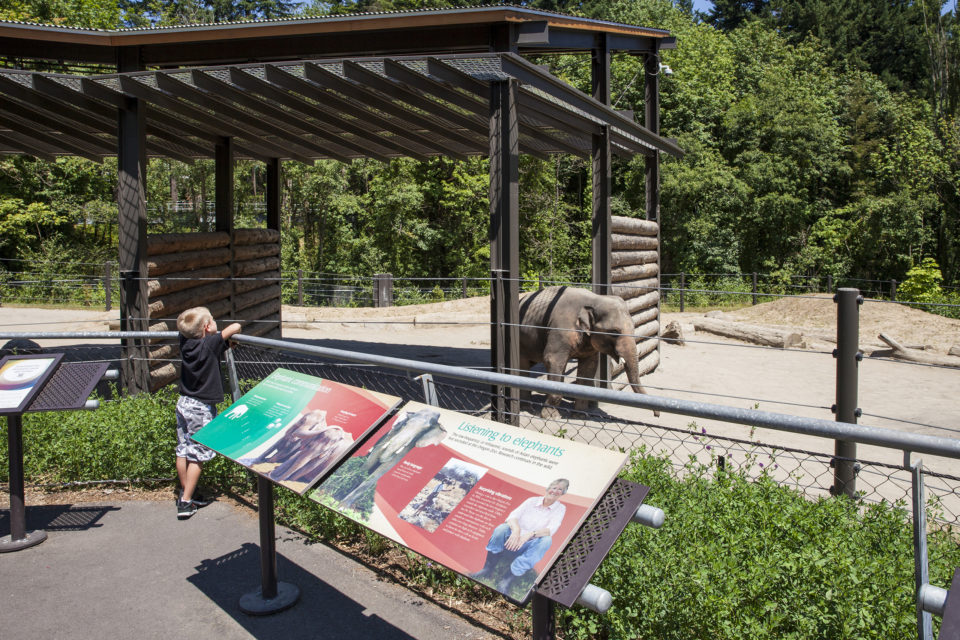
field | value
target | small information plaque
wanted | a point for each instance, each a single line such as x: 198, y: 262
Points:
x: 22, y: 378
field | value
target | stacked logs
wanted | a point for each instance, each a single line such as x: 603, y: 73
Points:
x: 237, y: 281
x: 635, y: 277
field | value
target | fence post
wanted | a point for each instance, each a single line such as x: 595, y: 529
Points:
x: 683, y: 286
x: 829, y: 282
x: 299, y: 287
x: 893, y: 290
x: 754, y: 287
x: 108, y: 303
x: 921, y: 571
x: 464, y: 288
x: 848, y: 356
x: 383, y: 289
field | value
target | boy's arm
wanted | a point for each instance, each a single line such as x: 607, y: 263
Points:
x: 230, y: 330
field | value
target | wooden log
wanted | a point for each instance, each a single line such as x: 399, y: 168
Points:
x: 636, y: 305
x: 634, y: 272
x: 164, y: 352
x: 254, y: 251
x: 163, y: 325
x: 163, y: 376
x: 645, y: 316
x: 673, y: 334
x: 253, y: 267
x: 633, y: 288
x: 180, y: 280
x: 255, y: 297
x: 262, y: 310
x: 264, y: 326
x: 647, y: 330
x: 186, y: 261
x: 166, y: 243
x: 749, y: 333
x: 633, y: 226
x: 172, y: 304
x: 242, y: 285
x: 620, y: 242
x: 915, y: 355
x: 243, y: 237
x: 646, y: 345
x: 621, y: 258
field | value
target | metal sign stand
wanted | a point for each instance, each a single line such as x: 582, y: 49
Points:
x: 67, y: 389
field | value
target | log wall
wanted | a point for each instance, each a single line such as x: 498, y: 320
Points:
x: 635, y: 277
x: 237, y: 278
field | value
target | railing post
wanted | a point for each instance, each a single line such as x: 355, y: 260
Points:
x: 829, y: 282
x: 299, y: 287
x: 893, y: 290
x: 464, y: 288
x: 848, y: 356
x: 108, y: 303
x: 754, y: 287
x: 921, y: 572
x: 683, y: 286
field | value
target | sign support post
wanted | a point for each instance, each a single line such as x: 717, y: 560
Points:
x: 19, y: 537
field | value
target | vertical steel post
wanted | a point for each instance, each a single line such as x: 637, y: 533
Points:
x: 268, y: 539
x: 754, y: 288
x: 108, y: 303
x: 829, y: 283
x: 848, y: 357
x: 544, y: 621
x: 18, y: 512
x: 19, y: 537
x: 893, y: 290
x: 920, y: 567
x: 683, y: 286
x: 299, y: 287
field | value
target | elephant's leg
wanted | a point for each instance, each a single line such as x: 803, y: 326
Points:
x: 554, y: 364
x: 586, y: 373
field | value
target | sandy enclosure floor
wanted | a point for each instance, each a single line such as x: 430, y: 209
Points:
x: 892, y: 394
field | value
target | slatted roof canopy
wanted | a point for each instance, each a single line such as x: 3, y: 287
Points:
x: 384, y: 107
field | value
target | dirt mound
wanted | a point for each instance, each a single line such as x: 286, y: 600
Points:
x: 817, y: 315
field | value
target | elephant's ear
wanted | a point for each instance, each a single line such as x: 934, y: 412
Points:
x: 585, y: 320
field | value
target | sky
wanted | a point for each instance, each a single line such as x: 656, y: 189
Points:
x: 706, y: 5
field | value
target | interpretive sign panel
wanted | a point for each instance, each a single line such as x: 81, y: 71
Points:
x: 488, y: 500
x: 292, y: 428
x: 22, y: 377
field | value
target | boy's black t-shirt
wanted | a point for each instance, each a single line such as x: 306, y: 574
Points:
x: 200, y: 374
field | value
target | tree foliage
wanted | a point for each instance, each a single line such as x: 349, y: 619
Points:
x: 821, y: 138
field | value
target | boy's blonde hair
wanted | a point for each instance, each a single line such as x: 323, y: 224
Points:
x: 192, y: 322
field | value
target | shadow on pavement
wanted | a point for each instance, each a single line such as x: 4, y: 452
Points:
x: 321, y: 611
x: 60, y: 517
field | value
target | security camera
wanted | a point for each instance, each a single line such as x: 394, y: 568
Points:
x: 665, y: 70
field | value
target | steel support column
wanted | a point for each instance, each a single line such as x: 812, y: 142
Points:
x: 274, y: 199
x: 848, y: 357
x: 651, y: 122
x: 223, y: 190
x: 504, y: 244
x: 132, y: 233
x: 602, y: 188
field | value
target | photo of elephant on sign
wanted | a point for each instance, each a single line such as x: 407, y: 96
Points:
x: 559, y: 323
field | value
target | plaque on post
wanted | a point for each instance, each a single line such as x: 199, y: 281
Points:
x: 22, y: 378
x: 490, y: 501
x: 292, y: 428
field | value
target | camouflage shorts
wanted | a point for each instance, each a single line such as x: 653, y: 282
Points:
x: 191, y: 415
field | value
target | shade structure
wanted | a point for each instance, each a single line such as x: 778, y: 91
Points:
x: 368, y: 107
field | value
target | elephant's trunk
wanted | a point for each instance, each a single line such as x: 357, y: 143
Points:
x: 627, y: 350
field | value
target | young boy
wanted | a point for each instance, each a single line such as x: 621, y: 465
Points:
x: 201, y: 388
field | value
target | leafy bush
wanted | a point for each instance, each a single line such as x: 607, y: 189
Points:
x: 742, y: 559
x: 735, y: 559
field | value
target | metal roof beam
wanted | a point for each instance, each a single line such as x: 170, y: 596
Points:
x: 401, y: 137
x: 364, y: 96
x: 253, y: 84
x: 271, y: 116
x: 244, y: 126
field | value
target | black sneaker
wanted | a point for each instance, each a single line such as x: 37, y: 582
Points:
x: 199, y: 499
x: 185, y: 509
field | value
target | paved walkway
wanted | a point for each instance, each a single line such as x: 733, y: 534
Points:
x: 132, y: 570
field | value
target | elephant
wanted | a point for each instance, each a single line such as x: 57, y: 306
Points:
x: 559, y: 323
